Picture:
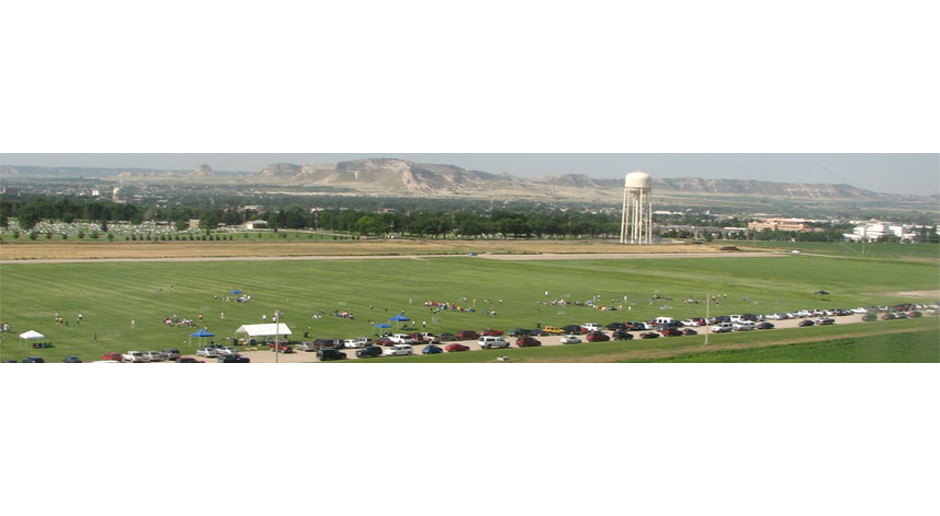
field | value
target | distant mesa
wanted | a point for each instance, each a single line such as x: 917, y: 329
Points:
x: 202, y: 171
x: 396, y: 177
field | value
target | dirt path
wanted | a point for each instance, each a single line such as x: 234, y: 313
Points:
x: 63, y: 251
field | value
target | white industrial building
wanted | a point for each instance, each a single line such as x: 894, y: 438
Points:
x: 875, y: 231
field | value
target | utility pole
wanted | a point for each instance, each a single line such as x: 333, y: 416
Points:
x: 707, y: 303
x: 277, y: 336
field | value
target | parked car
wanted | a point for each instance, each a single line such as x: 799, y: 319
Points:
x: 519, y: 332
x: 369, y: 352
x: 189, y: 360
x: 869, y: 317
x: 384, y: 341
x: 431, y: 349
x: 527, y: 342
x: 807, y: 322
x: 553, y: 330
x: 689, y: 331
x: 614, y: 326
x: 72, y: 359
x: 693, y: 322
x: 765, y: 326
x: 467, y: 335
x: 722, y: 328
x: 399, y: 350
x: 134, y: 356
x: 649, y: 335
x: 887, y: 317
x: 570, y: 339
x: 597, y: 336
x: 208, y: 352
x: 154, y: 356
x: 117, y: 357
x: 492, y: 332
x: 280, y: 347
x: 455, y: 347
x: 494, y: 342
x: 305, y: 346
x: 33, y: 360
x: 361, y: 342
x: 743, y: 326
x: 826, y: 322
x: 591, y: 326
x: 447, y: 337
x: 621, y: 335
x: 573, y: 329
x: 671, y: 332
x: 171, y: 353
x: 402, y: 338
x: 232, y: 358
x: 328, y: 354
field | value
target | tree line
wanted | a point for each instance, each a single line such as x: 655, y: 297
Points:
x: 422, y: 222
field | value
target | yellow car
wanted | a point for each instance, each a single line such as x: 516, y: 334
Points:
x: 553, y: 330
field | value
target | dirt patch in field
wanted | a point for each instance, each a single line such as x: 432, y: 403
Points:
x: 67, y: 250
x: 933, y: 295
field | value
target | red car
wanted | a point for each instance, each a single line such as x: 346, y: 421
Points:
x: 467, y: 335
x: 112, y: 356
x: 417, y: 337
x: 281, y: 348
x: 384, y: 341
x: 528, y: 342
x: 491, y: 332
x: 596, y: 336
x: 451, y: 348
x: 671, y: 332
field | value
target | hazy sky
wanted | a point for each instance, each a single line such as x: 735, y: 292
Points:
x: 895, y: 173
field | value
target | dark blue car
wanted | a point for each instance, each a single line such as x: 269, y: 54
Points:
x: 33, y: 360
x: 72, y: 360
x: 431, y: 350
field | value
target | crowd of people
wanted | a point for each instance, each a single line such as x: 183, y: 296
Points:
x: 175, y: 321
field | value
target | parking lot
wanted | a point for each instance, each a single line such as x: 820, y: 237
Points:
x: 265, y: 356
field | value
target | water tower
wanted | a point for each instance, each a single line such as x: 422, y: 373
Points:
x: 636, y: 226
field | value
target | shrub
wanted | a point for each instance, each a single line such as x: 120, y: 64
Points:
x: 16, y: 234
x: 48, y: 236
x: 94, y: 235
x: 81, y: 234
x: 32, y: 235
x: 110, y: 237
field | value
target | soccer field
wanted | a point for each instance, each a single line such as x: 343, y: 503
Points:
x: 111, y: 295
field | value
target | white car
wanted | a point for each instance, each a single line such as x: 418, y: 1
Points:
x: 227, y: 350
x: 722, y: 328
x: 691, y: 323
x: 361, y: 342
x: 743, y: 326
x: 155, y: 356
x: 570, y: 339
x: 489, y: 342
x: 135, y: 356
x: 208, y: 352
x: 399, y: 350
x: 402, y: 338
x: 592, y: 326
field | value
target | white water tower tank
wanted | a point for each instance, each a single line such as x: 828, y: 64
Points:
x: 636, y: 226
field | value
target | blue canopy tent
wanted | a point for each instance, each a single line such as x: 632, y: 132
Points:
x: 383, y: 326
x: 236, y: 292
x: 400, y: 318
x: 200, y: 334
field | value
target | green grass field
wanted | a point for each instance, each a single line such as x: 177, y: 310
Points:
x: 916, y: 346
x: 110, y: 295
x: 882, y: 251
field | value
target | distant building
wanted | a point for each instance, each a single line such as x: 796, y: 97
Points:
x: 193, y: 223
x: 256, y: 224
x: 779, y: 225
x: 875, y: 231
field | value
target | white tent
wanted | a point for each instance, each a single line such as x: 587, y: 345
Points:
x: 31, y: 334
x: 264, y: 330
